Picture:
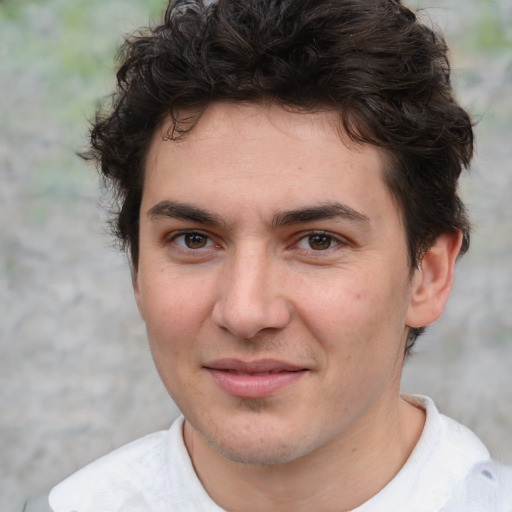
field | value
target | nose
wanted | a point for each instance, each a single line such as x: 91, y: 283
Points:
x: 251, y: 296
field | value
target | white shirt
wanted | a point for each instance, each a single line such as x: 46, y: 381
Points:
x: 448, y: 471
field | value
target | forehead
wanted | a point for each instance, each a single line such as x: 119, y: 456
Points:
x: 265, y: 156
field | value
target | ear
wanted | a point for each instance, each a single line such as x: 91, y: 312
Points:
x: 432, y: 281
x: 136, y: 293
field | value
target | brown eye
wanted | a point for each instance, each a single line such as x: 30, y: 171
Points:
x: 195, y: 240
x: 320, y: 242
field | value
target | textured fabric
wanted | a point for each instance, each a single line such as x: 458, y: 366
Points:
x: 152, y: 474
x: 489, y: 482
x: 441, y: 472
x: 448, y: 471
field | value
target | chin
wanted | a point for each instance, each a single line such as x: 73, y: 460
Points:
x: 264, y: 446
x: 257, y: 432
x: 270, y: 455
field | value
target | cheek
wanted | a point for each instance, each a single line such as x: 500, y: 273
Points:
x: 360, y: 330
x: 175, y: 307
x: 173, y: 317
x: 355, y: 312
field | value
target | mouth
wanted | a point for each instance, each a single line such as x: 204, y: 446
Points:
x: 257, y: 379
x: 256, y: 374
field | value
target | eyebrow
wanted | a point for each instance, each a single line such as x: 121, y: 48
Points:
x: 184, y: 211
x: 313, y: 213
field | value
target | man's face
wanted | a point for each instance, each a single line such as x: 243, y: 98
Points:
x: 274, y: 281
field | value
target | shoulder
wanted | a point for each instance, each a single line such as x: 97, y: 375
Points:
x: 152, y: 474
x: 132, y: 474
x: 447, y: 442
x: 460, y: 463
x: 487, y: 488
x: 441, y: 471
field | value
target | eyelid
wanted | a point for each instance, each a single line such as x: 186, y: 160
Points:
x: 171, y: 238
x: 338, y: 239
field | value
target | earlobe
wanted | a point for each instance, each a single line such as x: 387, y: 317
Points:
x: 432, y: 281
x: 136, y: 293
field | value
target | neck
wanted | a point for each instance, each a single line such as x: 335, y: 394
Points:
x: 340, y: 476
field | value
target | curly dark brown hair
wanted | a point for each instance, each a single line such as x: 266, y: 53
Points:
x: 384, y: 72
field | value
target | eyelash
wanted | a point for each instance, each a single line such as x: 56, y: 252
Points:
x: 332, y: 241
x: 207, y: 238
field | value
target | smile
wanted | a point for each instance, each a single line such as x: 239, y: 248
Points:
x: 256, y: 374
x: 258, y: 379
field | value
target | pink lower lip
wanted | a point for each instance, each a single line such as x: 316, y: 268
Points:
x: 254, y: 386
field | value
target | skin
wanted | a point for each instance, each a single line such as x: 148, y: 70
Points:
x: 267, y: 235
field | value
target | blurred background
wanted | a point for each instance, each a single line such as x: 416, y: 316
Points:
x: 76, y: 376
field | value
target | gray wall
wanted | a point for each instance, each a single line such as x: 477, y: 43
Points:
x: 76, y: 377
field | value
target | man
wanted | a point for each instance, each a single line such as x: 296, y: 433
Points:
x: 287, y: 173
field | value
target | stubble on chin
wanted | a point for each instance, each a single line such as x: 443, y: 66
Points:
x: 250, y: 446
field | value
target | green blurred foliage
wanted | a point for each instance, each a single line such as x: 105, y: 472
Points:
x: 57, y: 59
x: 491, y: 28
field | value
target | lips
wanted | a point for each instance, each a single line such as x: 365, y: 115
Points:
x: 254, y: 374
x: 257, y: 379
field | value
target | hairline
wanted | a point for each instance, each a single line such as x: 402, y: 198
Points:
x: 390, y: 160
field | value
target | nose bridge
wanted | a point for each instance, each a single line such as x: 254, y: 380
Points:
x: 250, y: 299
